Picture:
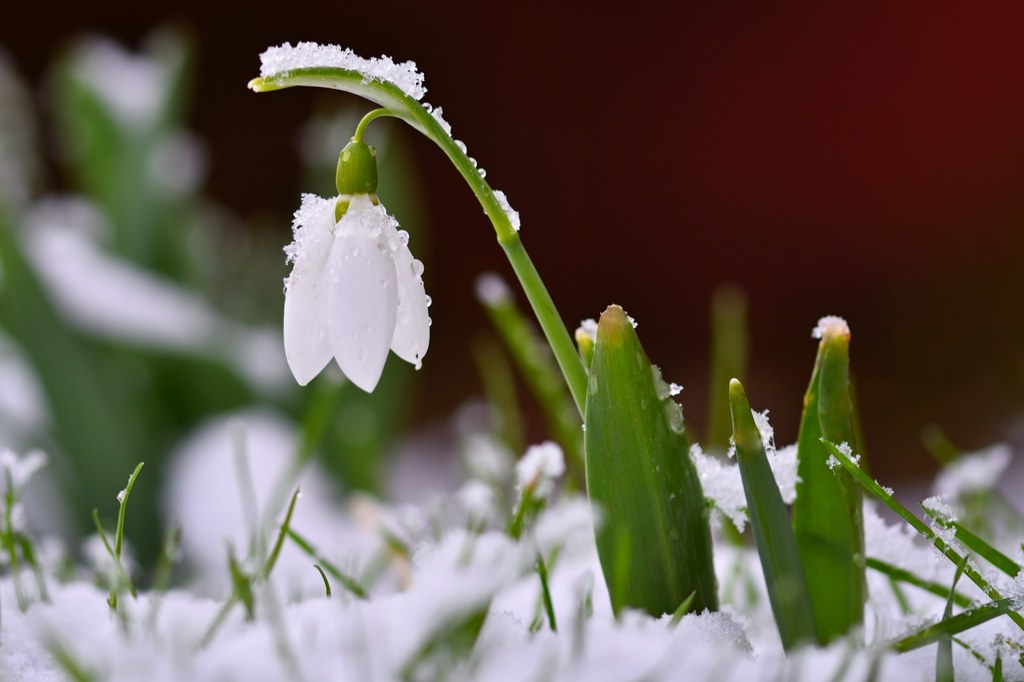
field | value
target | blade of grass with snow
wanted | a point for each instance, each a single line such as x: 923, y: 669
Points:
x: 827, y: 513
x: 776, y: 543
x: 640, y: 475
x: 952, y: 625
x: 977, y: 544
x: 886, y: 498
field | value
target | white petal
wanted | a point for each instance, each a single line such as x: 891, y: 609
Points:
x: 412, y: 327
x: 362, y: 301
x: 306, y: 344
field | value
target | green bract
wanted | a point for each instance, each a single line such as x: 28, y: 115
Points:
x: 827, y: 514
x: 776, y: 546
x: 357, y: 169
x: 655, y: 541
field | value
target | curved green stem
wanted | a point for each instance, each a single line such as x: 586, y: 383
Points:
x: 398, y: 104
x: 361, y: 128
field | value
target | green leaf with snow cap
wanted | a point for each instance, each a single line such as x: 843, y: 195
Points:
x: 827, y: 513
x: 655, y: 541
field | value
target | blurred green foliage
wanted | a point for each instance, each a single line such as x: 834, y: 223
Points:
x: 119, y: 122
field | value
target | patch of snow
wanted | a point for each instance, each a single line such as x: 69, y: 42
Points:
x: 830, y: 325
x: 973, y: 472
x: 513, y: 215
x: 539, y: 467
x: 723, y: 485
x: 134, y: 88
x: 288, y: 57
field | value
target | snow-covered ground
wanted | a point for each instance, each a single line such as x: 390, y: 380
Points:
x: 418, y: 605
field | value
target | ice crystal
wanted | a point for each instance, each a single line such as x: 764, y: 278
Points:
x: 513, y: 215
x: 830, y: 325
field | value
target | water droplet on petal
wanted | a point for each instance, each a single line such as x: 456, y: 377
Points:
x: 403, y: 236
x: 430, y: 301
x: 417, y: 267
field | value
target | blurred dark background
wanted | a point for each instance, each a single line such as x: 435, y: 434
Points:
x: 863, y: 161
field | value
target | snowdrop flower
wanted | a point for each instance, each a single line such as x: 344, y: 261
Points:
x: 355, y: 290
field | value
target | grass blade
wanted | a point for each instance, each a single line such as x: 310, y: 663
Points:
x: 776, y: 543
x: 537, y: 366
x: 904, y: 576
x: 977, y: 545
x: 950, y: 626
x: 640, y: 474
x: 827, y: 513
x: 944, y: 654
x: 728, y: 359
x: 348, y: 582
x: 886, y: 498
x: 323, y: 576
x: 683, y: 609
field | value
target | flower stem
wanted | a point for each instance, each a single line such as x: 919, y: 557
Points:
x: 365, y: 121
x: 547, y: 315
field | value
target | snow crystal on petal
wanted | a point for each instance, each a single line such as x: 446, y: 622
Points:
x: 513, y: 215
x: 312, y: 212
x: 286, y: 57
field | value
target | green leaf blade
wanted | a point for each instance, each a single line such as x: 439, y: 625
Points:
x: 827, y: 513
x: 773, y: 535
x: 640, y: 475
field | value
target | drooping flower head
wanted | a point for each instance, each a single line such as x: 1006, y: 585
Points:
x: 355, y: 290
